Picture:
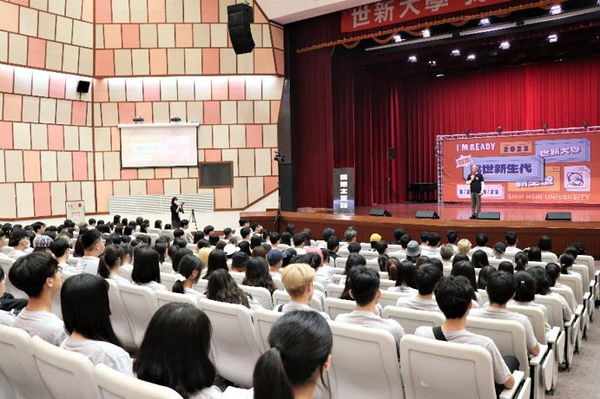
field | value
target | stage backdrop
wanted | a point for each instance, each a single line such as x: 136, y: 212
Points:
x: 533, y: 168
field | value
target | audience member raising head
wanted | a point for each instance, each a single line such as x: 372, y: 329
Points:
x: 93, y: 247
x: 300, y: 354
x: 60, y: 250
x: 223, y: 288
x: 86, y: 313
x: 146, y: 269
x: 175, y: 352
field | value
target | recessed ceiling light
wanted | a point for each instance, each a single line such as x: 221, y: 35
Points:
x: 505, y: 45
x: 471, y: 57
x: 553, y: 38
x: 455, y: 52
x: 484, y: 22
x: 426, y: 33
x: 412, y: 58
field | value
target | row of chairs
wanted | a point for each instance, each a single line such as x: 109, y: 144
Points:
x: 33, y: 368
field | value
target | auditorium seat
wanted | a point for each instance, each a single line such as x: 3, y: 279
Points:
x: 263, y: 321
x: 435, y: 369
x: 118, y: 315
x: 169, y: 279
x: 377, y: 360
x: 234, y: 343
x: 389, y: 298
x: 411, y: 319
x: 336, y: 306
x: 152, y: 230
x: 549, y: 257
x: 168, y: 233
x: 18, y: 366
x: 125, y: 272
x: 555, y: 318
x: 335, y: 290
x: 165, y: 297
x: 319, y: 286
x: 385, y: 284
x: 6, y: 249
x: 238, y: 277
x: 115, y: 385
x: 68, y: 375
x: 281, y: 297
x: 6, y: 264
x: 140, y: 304
x: 259, y: 294
x: 201, y: 285
x: 341, y: 262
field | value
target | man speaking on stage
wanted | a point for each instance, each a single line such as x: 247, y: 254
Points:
x: 477, y: 184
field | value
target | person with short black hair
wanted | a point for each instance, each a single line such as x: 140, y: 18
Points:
x: 86, y: 313
x: 424, y: 239
x: 38, y: 228
x: 506, y: 266
x: 432, y: 247
x: 9, y: 306
x: 245, y: 233
x: 146, y: 269
x: 239, y: 260
x: 299, y: 241
x: 453, y: 296
x: 501, y: 289
x: 354, y: 247
x: 60, y: 250
x: 93, y: 247
x: 534, y: 254
x: 38, y: 275
x: 426, y: 278
x: 275, y: 239
x: 364, y: 289
x: 175, y: 352
x: 481, y: 241
x: 545, y: 245
x: 91, y: 223
x: 19, y: 240
x: 452, y: 238
x: 333, y: 246
x: 511, y: 243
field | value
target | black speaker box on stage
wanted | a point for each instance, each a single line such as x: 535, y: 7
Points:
x: 239, y: 18
x: 83, y: 86
x: 489, y: 216
x: 566, y: 216
x: 379, y: 212
x: 427, y: 215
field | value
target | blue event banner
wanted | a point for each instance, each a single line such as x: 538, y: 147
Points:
x: 565, y: 150
x: 527, y: 168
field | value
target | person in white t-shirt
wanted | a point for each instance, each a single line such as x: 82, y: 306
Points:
x: 453, y: 295
x: 19, y: 240
x: 146, y: 269
x: 511, y: 243
x: 60, y: 250
x: 38, y: 275
x: 93, y: 247
x: 364, y: 288
x: 6, y: 318
x: 482, y: 240
x: 544, y: 279
x: 275, y: 258
x: 175, y: 352
x: 447, y: 252
x: 298, y: 280
x: 110, y: 263
x: 190, y: 267
x: 299, y: 240
x: 431, y: 248
x: 501, y: 289
x: 426, y: 278
x: 86, y: 313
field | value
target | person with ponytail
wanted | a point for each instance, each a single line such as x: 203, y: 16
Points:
x: 566, y: 262
x: 110, y: 262
x: 521, y: 261
x: 299, y: 357
x: 525, y: 290
x: 190, y: 267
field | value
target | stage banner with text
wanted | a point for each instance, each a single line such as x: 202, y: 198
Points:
x: 343, y: 191
x: 388, y: 12
x: 539, y: 168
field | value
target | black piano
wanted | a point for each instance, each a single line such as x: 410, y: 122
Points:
x: 420, y: 191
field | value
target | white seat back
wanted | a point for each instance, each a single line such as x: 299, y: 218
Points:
x: 548, y: 257
x: 582, y: 270
x: 168, y: 280
x: 555, y: 314
x: 278, y: 283
x: 508, y: 335
x: 385, y: 284
x: 336, y: 306
x: 165, y: 297
x: 168, y: 233
x: 281, y: 297
x: 263, y: 321
x: 234, y: 344
x: 115, y: 385
x: 6, y: 249
x: 341, y: 262
x: 153, y: 230
x: 485, y: 298
x: 125, y: 272
x: 377, y: 359
x: 118, y: 315
x: 238, y: 277
x: 533, y: 263
x: 411, y: 319
x: 589, y: 262
x: 335, y: 290
x: 140, y: 303
x: 536, y: 317
x: 259, y: 294
x: 6, y: 264
x: 574, y: 282
x: 373, y: 264
x: 567, y: 293
x: 18, y: 366
x: 68, y: 375
x: 389, y: 298
x: 434, y: 369
x: 201, y: 285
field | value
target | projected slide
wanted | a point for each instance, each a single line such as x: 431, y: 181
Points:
x: 159, y: 145
x: 543, y: 168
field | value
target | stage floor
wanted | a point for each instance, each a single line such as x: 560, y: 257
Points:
x: 525, y: 212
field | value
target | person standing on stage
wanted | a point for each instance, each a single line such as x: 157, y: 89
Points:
x: 477, y: 184
x: 176, y: 209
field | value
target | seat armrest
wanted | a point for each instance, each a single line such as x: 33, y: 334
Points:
x: 579, y: 310
x: 586, y: 296
x: 537, y: 360
x: 552, y: 335
x: 510, y: 393
x: 569, y: 323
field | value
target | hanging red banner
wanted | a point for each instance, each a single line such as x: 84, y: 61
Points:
x: 388, y: 12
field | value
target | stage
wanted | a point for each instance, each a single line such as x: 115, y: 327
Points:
x: 528, y: 221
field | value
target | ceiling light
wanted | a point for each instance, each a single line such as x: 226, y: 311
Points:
x: 555, y: 9
x: 432, y: 63
x: 426, y: 33
x: 471, y: 57
x: 412, y: 58
x: 455, y: 52
x: 397, y: 38
x: 484, y: 22
x: 505, y: 45
x: 553, y: 38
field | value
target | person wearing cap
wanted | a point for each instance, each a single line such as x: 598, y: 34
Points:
x: 42, y: 243
x: 19, y: 240
x: 275, y: 258
x: 499, y: 250
x: 327, y: 233
x: 413, y: 251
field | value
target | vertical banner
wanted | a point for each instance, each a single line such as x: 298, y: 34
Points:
x: 75, y: 211
x: 343, y: 191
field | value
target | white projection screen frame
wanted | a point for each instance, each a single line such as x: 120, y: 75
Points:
x: 159, y: 145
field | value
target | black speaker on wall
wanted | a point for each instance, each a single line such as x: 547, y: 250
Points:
x: 565, y: 216
x: 83, y: 86
x: 427, y: 215
x: 379, y: 212
x: 239, y: 18
x: 489, y: 216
